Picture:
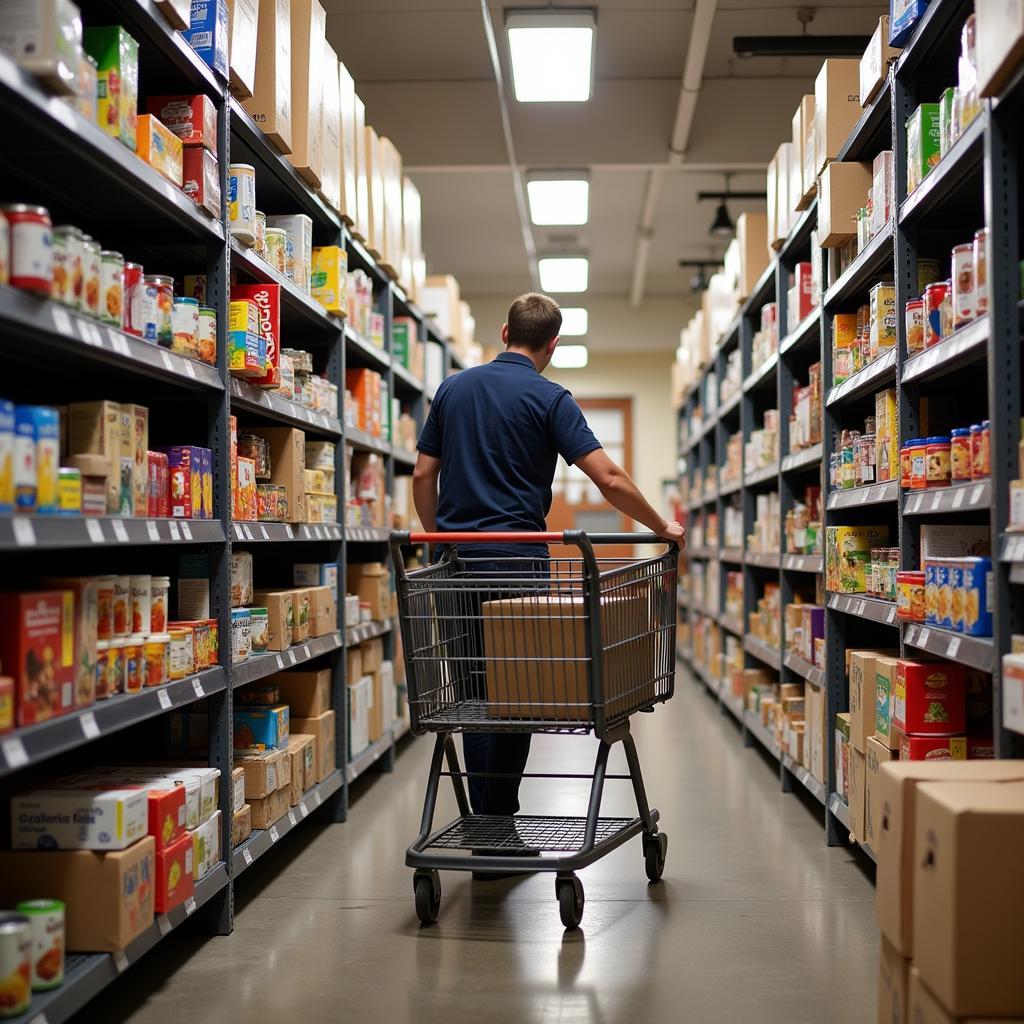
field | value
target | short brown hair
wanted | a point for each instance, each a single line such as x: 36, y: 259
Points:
x: 533, y: 320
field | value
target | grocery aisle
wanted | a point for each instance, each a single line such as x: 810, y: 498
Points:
x: 757, y: 919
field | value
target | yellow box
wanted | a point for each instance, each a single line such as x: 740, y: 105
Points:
x: 330, y: 274
x: 883, y: 319
x: 887, y: 435
x: 243, y: 315
x: 159, y: 147
x: 847, y: 551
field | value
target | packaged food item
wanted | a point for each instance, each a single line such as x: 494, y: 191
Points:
x: 934, y: 296
x: 67, y: 258
x: 208, y: 335
x: 16, y: 955
x: 259, y: 630
x: 299, y: 228
x: 261, y: 234
x: 933, y: 748
x: 929, y: 698
x: 158, y: 310
x: 241, y: 636
x: 122, y: 605
x: 46, y: 924
x: 260, y: 729
x: 980, y: 250
x: 111, y: 288
x: 882, y: 330
x: 910, y: 596
x: 847, y: 554
x: 117, y: 61
x: 247, y: 354
x: 984, y: 461
x: 242, y: 202
x: 192, y: 118
x: 78, y: 819
x: 185, y: 325
x: 937, y: 462
x: 978, y: 596
x: 918, y: 449
x: 157, y: 652
x: 174, y: 882
x: 246, y: 507
x: 964, y: 290
x: 208, y: 36
x: 134, y: 663
x: 200, y: 178
x: 266, y: 298
x: 44, y: 38
x: 160, y: 148
x: 914, y: 319
x: 960, y: 455
x: 978, y: 468
x: 329, y: 277
x: 276, y: 246
x: 923, y: 142
x: 31, y: 248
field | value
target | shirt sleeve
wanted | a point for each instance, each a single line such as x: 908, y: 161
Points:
x: 431, y: 441
x: 570, y: 432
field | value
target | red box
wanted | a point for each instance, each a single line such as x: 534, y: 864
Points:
x: 201, y: 178
x: 167, y: 815
x: 185, y: 466
x: 174, y: 882
x: 37, y: 648
x: 802, y: 280
x: 933, y: 748
x: 930, y: 698
x: 267, y: 298
x: 192, y: 118
x: 159, y: 502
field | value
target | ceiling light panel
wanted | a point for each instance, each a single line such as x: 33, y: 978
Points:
x: 552, y: 54
x: 564, y: 273
x: 575, y: 321
x: 559, y: 201
x: 570, y: 357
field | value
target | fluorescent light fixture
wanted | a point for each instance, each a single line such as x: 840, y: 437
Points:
x: 564, y: 273
x: 558, y: 199
x: 570, y: 357
x: 552, y: 54
x: 574, y: 321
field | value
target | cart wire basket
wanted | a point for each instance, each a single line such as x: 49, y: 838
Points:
x: 570, y: 644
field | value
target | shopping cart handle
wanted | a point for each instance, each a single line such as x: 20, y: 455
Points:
x: 565, y: 537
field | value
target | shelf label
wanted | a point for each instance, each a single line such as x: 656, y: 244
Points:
x: 24, y: 532
x: 95, y: 531
x: 61, y: 320
x: 305, y: 651
x: 152, y: 531
x: 264, y: 534
x: 976, y: 493
x: 303, y: 809
x: 186, y: 530
x: 197, y: 685
x: 163, y: 922
x: 121, y: 961
x: 953, y: 648
x: 90, y: 727
x: 190, y: 906
x: 95, y: 338
x: 958, y: 498
x: 280, y: 663
x: 238, y: 532
x: 39, y: 1018
x: 291, y: 657
x: 936, y: 501
x: 292, y: 820
x: 891, y: 614
x: 120, y: 533
x: 911, y: 634
x: 273, y: 834
x: 190, y: 368
x: 860, y: 607
x: 923, y: 638
x: 248, y: 533
x: 14, y: 753
x: 247, y: 857
x: 318, y: 798
x: 917, y: 503
x: 167, y: 361
x: 165, y: 699
x: 118, y: 342
x: 172, y: 529
x: 865, y: 494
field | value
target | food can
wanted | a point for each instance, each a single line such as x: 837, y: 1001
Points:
x: 92, y: 274
x: 261, y: 233
x: 31, y: 247
x: 141, y: 601
x: 102, y: 647
x: 15, y: 963
x: 122, y: 605
x: 208, y: 335
x: 946, y: 314
x: 275, y: 248
x: 116, y: 650
x: 105, y: 607
x: 5, y: 250
x: 937, y: 468
x: 185, y: 325
x: 914, y: 315
x: 977, y: 457
x: 112, y: 288
x: 242, y: 202
x: 134, y: 290
x: 158, y: 310
x: 135, y: 663
x: 241, y: 634
x: 964, y: 310
x: 934, y: 295
x: 918, y: 464
x: 960, y: 455
x: 69, y: 491
x: 986, y: 449
x: 981, y: 272
x: 46, y: 923
x: 159, y: 589
x: 259, y: 630
x: 910, y: 596
x: 180, y: 651
x: 67, y: 265
x: 158, y: 656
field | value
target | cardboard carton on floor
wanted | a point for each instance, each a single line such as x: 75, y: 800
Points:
x: 270, y: 104
x: 876, y: 755
x: 896, y: 829
x: 968, y: 895
x: 892, y: 984
x: 322, y: 728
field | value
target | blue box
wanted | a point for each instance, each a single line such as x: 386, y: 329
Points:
x: 208, y: 33
x: 931, y: 594
x: 944, y: 583
x: 956, y: 582
x: 903, y: 18
x: 260, y: 729
x: 978, y: 595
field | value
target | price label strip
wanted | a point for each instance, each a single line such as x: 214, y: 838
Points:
x: 186, y: 530
x: 90, y: 727
x: 247, y: 857
x: 165, y: 699
x: 121, y: 961
x: 273, y: 834
x: 172, y: 529
x: 954, y: 647
x: 14, y: 753
x: 152, y: 532
x: 163, y: 922
x: 95, y: 531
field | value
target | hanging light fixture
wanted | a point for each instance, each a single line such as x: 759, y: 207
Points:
x: 722, y: 225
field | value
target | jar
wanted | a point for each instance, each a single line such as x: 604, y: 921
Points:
x: 977, y: 456
x: 141, y: 597
x: 105, y: 607
x: 134, y: 290
x: 937, y: 469
x: 275, y: 248
x: 986, y: 449
x: 960, y: 455
x: 259, y: 630
x: 252, y: 446
x: 134, y: 663
x: 91, y: 276
x: 910, y: 596
x: 918, y: 464
x: 906, y: 465
x: 67, y: 266
x: 261, y: 234
x: 158, y: 656
x: 946, y: 313
x: 159, y: 588
x: 242, y: 202
x: 934, y: 296
x: 179, y: 653
x: 122, y: 605
x: 914, y: 316
x: 116, y: 665
x: 241, y: 635
x: 963, y: 285
x: 112, y: 288
x: 208, y: 335
x: 185, y: 326
x: 31, y: 247
x: 981, y: 272
x: 158, y: 310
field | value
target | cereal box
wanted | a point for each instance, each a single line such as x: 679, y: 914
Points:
x: 174, y: 882
x: 847, y: 552
x: 160, y: 148
x: 6, y: 457
x: 185, y: 464
x: 929, y: 698
x: 117, y: 87
x: 329, y: 278
x: 245, y: 509
x: 977, y: 596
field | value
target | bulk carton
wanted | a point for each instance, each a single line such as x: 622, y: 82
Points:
x: 892, y: 984
x: 842, y: 191
x: 836, y: 107
x: 857, y: 768
x: 375, y: 241
x: 243, y: 27
x: 308, y: 26
x: 862, y: 695
x: 330, y: 131
x: 876, y: 754
x: 301, y: 752
x: 270, y: 104
x: 348, y: 170
x: 308, y: 694
x: 321, y: 728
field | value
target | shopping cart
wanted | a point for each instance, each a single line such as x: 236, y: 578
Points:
x: 567, y: 645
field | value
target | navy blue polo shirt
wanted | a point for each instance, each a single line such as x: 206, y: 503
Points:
x: 498, y: 430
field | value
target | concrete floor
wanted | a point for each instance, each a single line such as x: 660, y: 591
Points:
x: 756, y: 920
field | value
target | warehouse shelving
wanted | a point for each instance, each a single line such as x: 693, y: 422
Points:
x: 274, y: 407
x: 763, y: 652
x: 866, y: 494
x: 733, y: 555
x: 278, y: 533
x: 871, y: 378
x: 57, y: 532
x: 968, y: 344
x: 264, y: 665
x: 864, y: 607
x: 965, y: 497
x: 976, y: 651
x: 802, y: 458
x: 814, y: 674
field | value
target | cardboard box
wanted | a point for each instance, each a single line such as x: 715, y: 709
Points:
x: 932, y: 748
x: 892, y: 984
x: 842, y: 190
x: 94, y: 428
x: 361, y: 227
x: 836, y: 107
x: 270, y: 104
x: 348, y: 168
x: 46, y: 40
x: 354, y: 663
x: 874, y: 65
x: 391, y: 170
x: 440, y: 301
x: 86, y: 614
x: 360, y: 699
x: 752, y: 240
x: 814, y: 740
x: 413, y: 270
x: 842, y: 752
x: 968, y: 839
x: 117, y: 88
x: 258, y: 729
x: 373, y: 655
x: 307, y: 693
x: 375, y: 720
x: 301, y: 752
x: 205, y: 846
x: 288, y: 464
x: 280, y: 616
x: 237, y: 788
x: 243, y: 32
x: 309, y: 27
x: 895, y: 849
x: 78, y: 819
x: 885, y: 685
x: 795, y: 187
x: 999, y: 43
x: 108, y: 897
x: 858, y: 794
x: 374, y: 193
x: 268, y: 810
x: 323, y: 612
x: 241, y: 824
x: 207, y: 779
x: 173, y: 882
x: 876, y: 755
x: 862, y: 695
x: 322, y: 729
x: 373, y: 586
x: 264, y: 773
x: 930, y: 698
x: 300, y: 615
x: 192, y: 118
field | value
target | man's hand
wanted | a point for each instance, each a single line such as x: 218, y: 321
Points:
x: 673, y: 531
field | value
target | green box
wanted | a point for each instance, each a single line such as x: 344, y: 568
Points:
x: 401, y: 338
x: 924, y: 137
x: 117, y: 82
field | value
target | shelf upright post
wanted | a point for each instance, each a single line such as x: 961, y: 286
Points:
x: 387, y: 760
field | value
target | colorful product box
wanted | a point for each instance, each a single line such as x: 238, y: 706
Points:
x: 205, y: 846
x: 266, y: 298
x: 929, y: 698
x: 365, y: 386
x: 186, y: 472
x: 86, y: 618
x: 192, y: 118
x: 173, y: 883
x: 923, y: 143
x: 887, y: 435
x: 300, y: 230
x: 201, y: 179
x: 885, y: 685
x: 247, y: 354
x: 246, y: 506
x: 882, y: 327
x: 258, y: 729
x: 330, y: 277
x: 933, y: 748
x: 903, y: 17
x: 404, y: 338
x: 159, y: 147
x: 977, y: 596
x: 208, y: 33
x: 78, y: 819
x: 207, y: 455
x: 847, y: 552
x: 6, y: 457
x: 117, y: 87
x: 136, y: 418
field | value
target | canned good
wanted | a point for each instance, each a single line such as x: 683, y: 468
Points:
x: 122, y: 605
x: 241, y: 634
x: 69, y: 491
x: 105, y: 607
x: 964, y: 296
x: 918, y: 464
x: 180, y: 652
x: 276, y: 248
x: 142, y: 596
x: 159, y: 588
x: 910, y: 596
x: 937, y: 469
x: 960, y: 455
x: 135, y: 663
x: 111, y: 288
x: 934, y: 295
x: 242, y: 202
x: 981, y: 272
x: 261, y: 233
x: 158, y: 310
x: 208, y: 335
x: 185, y: 325
x: 67, y: 266
x: 31, y: 247
x: 914, y: 316
x: 906, y: 466
x: 134, y: 290
x: 15, y: 963
x: 259, y: 630
x: 92, y: 274
x: 46, y: 924
x: 116, y: 649
x: 102, y: 648
x: 158, y: 657
x: 985, y: 460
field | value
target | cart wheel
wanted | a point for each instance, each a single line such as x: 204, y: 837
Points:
x: 427, y: 887
x: 655, y: 848
x: 570, y: 901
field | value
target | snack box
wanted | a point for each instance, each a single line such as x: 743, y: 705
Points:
x: 923, y: 143
x: 977, y: 596
x: 208, y: 780
x: 173, y: 881
x: 247, y: 354
x: 192, y: 118
x: 117, y: 85
x: 84, y: 591
x: 208, y: 33
x: 300, y: 229
x: 929, y: 698
x: 159, y: 147
x: 267, y: 300
x: 241, y: 824
x: 933, y: 748
x: 185, y: 465
x: 78, y: 819
x: 201, y: 179
x: 259, y: 729
x: 205, y: 846
x: 330, y: 277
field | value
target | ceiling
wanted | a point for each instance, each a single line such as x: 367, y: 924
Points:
x: 423, y: 69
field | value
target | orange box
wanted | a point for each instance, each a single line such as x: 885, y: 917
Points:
x: 174, y: 883
x: 160, y: 148
x: 365, y: 386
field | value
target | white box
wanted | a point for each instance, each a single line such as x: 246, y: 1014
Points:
x: 205, y: 846
x: 45, y: 38
x: 361, y: 227
x: 78, y: 819
x: 208, y: 779
x: 349, y: 168
x: 330, y: 131
x: 388, y: 692
x: 360, y: 698
x: 300, y: 227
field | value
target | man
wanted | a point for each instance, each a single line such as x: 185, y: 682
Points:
x: 492, y: 441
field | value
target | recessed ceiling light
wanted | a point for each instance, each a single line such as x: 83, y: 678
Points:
x: 552, y: 54
x: 559, y: 200
x: 570, y: 357
x: 564, y: 273
x: 574, y: 321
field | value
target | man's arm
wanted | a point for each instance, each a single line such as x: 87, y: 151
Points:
x: 619, y: 491
x: 424, y: 490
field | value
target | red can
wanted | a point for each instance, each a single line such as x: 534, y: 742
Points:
x: 31, y: 240
x: 934, y: 296
x: 133, y: 291
x: 159, y: 504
